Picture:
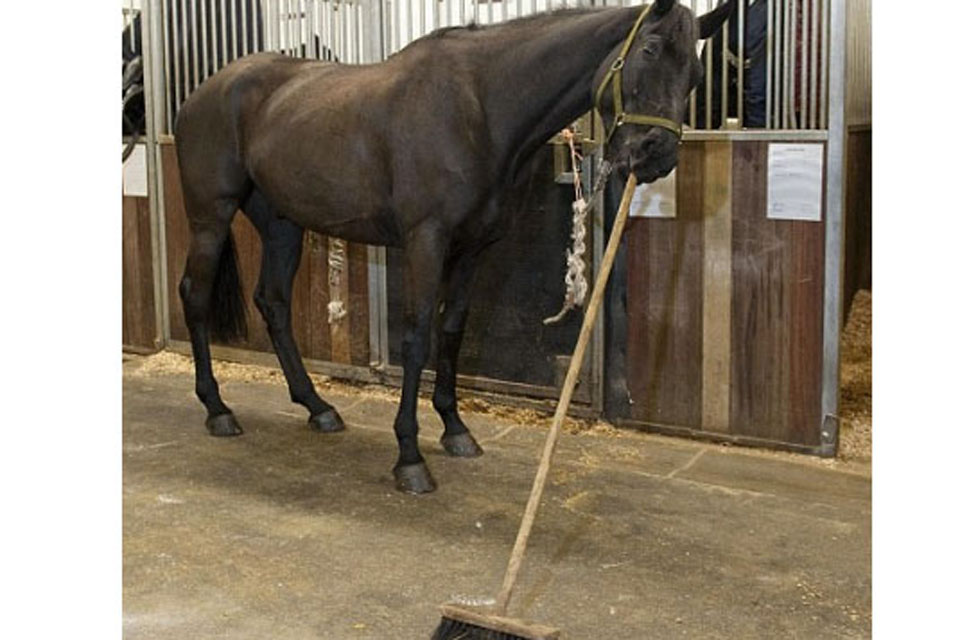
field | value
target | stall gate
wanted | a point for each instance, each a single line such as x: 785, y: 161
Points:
x: 723, y: 319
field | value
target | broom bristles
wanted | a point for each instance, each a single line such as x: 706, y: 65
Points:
x: 460, y: 622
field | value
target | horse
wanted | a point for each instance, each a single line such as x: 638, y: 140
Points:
x: 416, y: 152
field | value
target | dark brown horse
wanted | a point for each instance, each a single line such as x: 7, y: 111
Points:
x: 416, y: 151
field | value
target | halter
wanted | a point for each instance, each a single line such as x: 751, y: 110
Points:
x: 615, y: 73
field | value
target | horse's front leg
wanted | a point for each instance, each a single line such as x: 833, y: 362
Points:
x: 458, y: 278
x: 423, y: 261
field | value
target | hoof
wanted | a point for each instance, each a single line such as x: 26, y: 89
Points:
x: 327, y: 422
x: 414, y: 478
x: 223, y: 425
x: 461, y: 445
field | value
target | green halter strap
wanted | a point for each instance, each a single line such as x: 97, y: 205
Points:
x: 615, y: 74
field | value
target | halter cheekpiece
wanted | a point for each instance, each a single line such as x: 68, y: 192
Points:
x: 615, y: 74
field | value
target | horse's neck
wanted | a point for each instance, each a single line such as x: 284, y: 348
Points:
x: 538, y: 82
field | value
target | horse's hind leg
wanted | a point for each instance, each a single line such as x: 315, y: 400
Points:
x: 458, y: 278
x: 282, y: 246
x: 211, y: 263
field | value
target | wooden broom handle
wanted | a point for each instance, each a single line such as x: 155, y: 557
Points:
x: 569, y: 383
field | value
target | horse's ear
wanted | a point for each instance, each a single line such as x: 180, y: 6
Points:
x: 661, y: 7
x: 710, y: 23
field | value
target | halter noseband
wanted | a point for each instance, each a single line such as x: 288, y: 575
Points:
x: 615, y: 73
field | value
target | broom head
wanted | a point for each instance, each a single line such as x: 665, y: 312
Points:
x: 460, y: 622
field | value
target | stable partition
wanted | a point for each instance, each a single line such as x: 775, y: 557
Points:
x: 724, y: 302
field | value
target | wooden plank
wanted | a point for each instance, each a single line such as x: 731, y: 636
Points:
x: 359, y: 304
x: 717, y: 284
x: 318, y: 298
x: 778, y: 312
x: 139, y: 325
x: 664, y: 304
x: 177, y: 238
x: 760, y: 345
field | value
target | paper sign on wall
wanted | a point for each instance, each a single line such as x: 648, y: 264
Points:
x: 657, y: 199
x: 795, y: 181
x: 135, y: 172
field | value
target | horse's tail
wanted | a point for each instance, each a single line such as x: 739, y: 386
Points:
x: 228, y: 313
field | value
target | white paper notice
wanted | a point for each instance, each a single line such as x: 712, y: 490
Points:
x: 795, y: 181
x: 135, y: 172
x: 657, y: 199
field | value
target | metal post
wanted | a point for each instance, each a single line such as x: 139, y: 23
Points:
x: 708, y: 99
x: 833, y: 228
x: 150, y: 40
x: 741, y: 46
x: 768, y: 120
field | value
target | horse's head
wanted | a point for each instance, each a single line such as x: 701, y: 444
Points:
x: 657, y: 73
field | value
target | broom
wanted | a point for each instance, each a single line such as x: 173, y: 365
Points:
x: 461, y: 622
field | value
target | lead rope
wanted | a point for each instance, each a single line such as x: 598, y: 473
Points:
x: 575, y: 278
x: 336, y: 258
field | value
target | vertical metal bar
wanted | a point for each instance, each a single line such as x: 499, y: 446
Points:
x: 175, y: 53
x: 708, y: 99
x: 275, y: 26
x: 741, y: 46
x: 826, y: 36
x: 243, y: 26
x: 223, y: 34
x: 814, y: 68
x: 833, y: 227
x: 423, y: 17
x: 489, y: 11
x: 194, y: 45
x: 804, y: 63
x: 257, y: 24
x: 777, y: 71
x: 148, y: 43
x: 166, y: 22
x: 203, y: 35
x: 693, y: 95
x: 725, y: 76
x: 791, y: 65
x: 768, y: 121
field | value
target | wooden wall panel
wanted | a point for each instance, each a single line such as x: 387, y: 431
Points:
x: 313, y: 334
x: 665, y: 304
x: 139, y: 307
x: 725, y: 307
x: 777, y: 316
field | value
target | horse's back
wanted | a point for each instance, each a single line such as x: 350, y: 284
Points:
x: 212, y: 124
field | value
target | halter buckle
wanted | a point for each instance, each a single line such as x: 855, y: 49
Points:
x: 617, y: 64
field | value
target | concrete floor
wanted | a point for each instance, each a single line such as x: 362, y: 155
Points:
x: 284, y: 533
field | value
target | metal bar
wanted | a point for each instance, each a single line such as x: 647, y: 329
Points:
x: 275, y: 26
x: 724, y: 75
x: 693, y: 94
x: 826, y: 35
x: 148, y: 40
x: 792, y: 66
x: 489, y: 11
x: 741, y: 46
x: 814, y: 67
x: 165, y: 60
x: 203, y: 36
x: 257, y: 24
x: 804, y: 62
x: 767, y: 107
x: 777, y: 71
x: 194, y: 46
x: 833, y: 226
x: 708, y: 105
x: 243, y: 20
